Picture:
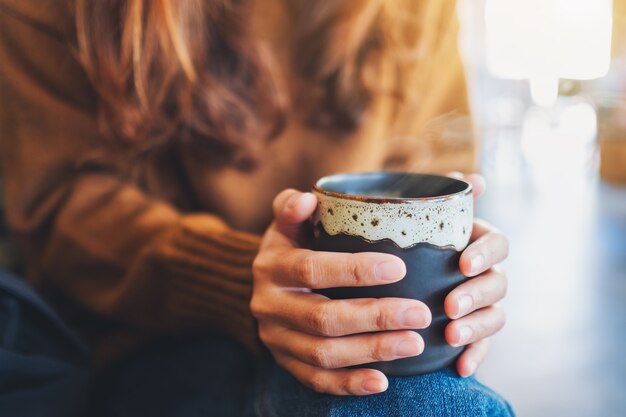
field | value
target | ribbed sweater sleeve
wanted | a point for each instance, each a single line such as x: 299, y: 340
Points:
x: 136, y: 260
x: 100, y: 241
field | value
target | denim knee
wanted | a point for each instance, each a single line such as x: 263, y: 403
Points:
x: 443, y: 393
x: 437, y: 394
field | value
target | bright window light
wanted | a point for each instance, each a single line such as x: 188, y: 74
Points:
x: 545, y: 40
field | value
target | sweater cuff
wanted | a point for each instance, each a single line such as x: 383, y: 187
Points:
x: 210, y: 279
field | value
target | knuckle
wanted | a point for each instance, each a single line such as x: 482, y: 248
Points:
x: 316, y: 382
x: 255, y: 307
x: 256, y: 266
x: 478, y: 299
x: 380, y: 316
x: 346, y: 385
x: 260, y: 265
x: 320, y: 355
x: 355, y: 269
x: 306, y: 270
x: 259, y: 308
x: 322, y: 321
x: 380, y: 350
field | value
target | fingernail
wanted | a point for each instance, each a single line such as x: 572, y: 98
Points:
x: 477, y: 263
x: 464, y: 335
x: 389, y: 271
x: 413, y: 318
x: 374, y: 385
x: 471, y: 368
x: 409, y: 347
x: 465, y: 303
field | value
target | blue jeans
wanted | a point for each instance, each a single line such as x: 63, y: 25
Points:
x: 216, y: 377
x: 44, y: 367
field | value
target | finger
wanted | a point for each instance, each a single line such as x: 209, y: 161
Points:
x: 476, y: 326
x: 312, y: 269
x: 340, y: 352
x: 317, y: 315
x: 335, y: 381
x: 476, y: 293
x: 478, y: 184
x: 481, y: 227
x: 487, y: 250
x: 291, y: 208
x: 476, y: 180
x: 472, y: 357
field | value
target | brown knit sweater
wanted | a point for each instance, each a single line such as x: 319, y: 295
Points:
x: 169, y: 249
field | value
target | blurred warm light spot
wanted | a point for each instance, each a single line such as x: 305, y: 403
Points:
x: 545, y: 40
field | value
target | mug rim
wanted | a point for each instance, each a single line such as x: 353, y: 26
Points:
x: 317, y: 187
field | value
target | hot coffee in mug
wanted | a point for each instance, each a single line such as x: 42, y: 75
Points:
x: 426, y: 220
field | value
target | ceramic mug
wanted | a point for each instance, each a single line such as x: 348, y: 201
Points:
x: 426, y: 220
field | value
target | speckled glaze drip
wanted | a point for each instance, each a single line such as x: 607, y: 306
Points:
x: 440, y: 222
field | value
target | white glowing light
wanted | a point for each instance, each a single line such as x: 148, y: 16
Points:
x: 559, y: 143
x: 579, y: 121
x: 543, y: 40
x: 544, y: 90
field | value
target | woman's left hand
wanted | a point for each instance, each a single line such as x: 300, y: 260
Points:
x: 473, y: 305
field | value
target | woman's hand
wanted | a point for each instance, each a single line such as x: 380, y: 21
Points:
x: 314, y: 337
x: 473, y: 305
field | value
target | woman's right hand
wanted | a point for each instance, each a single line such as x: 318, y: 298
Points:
x: 314, y: 337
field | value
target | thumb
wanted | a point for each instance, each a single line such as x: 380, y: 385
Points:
x: 291, y: 208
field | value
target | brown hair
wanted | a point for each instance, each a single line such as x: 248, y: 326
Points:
x: 162, y: 67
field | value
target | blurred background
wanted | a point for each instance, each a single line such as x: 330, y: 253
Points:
x: 548, y: 86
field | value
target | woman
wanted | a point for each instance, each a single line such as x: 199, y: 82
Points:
x: 143, y: 145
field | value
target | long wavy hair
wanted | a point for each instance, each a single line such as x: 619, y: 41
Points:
x: 170, y: 68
